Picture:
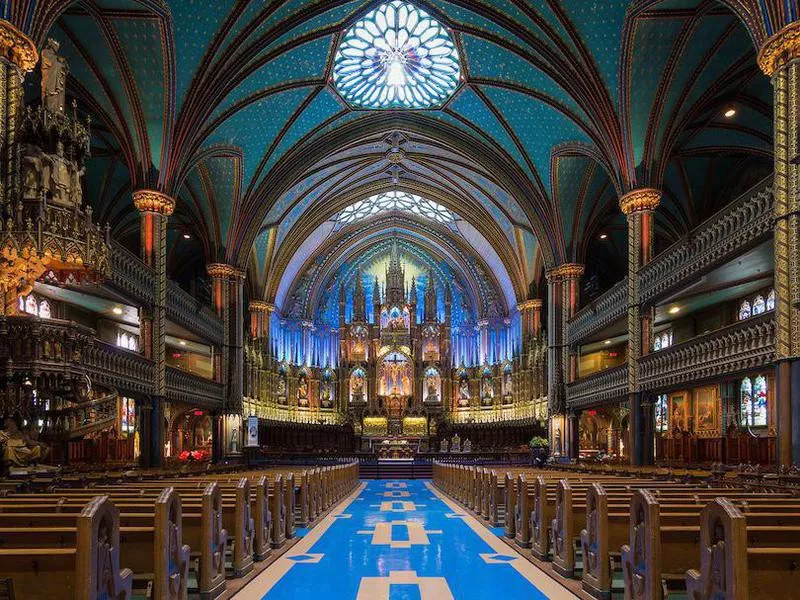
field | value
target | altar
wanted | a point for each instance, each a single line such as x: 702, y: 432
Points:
x: 396, y: 448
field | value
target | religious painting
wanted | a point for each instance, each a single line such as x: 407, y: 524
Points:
x: 706, y: 409
x: 679, y: 411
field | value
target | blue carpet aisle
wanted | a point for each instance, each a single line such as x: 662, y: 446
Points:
x: 400, y: 540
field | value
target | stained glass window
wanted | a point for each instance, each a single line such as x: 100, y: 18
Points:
x: 396, y: 56
x: 661, y: 413
x: 754, y: 401
x: 745, y: 311
x: 662, y: 340
x: 745, y: 397
x: 759, y: 400
x: 759, y: 305
x: 396, y: 201
x: 128, y: 415
x: 771, y: 300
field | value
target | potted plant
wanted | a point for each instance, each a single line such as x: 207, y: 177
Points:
x: 539, y: 448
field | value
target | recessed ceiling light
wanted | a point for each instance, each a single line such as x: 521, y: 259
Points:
x: 603, y: 236
x: 674, y: 310
x: 730, y: 112
x: 187, y: 236
x: 182, y: 343
x: 117, y: 310
x: 607, y: 342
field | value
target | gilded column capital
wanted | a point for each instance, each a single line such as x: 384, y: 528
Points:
x: 640, y: 200
x: 779, y: 49
x: 565, y: 272
x: 259, y: 306
x: 529, y: 304
x: 223, y: 271
x: 153, y: 201
x: 17, y: 47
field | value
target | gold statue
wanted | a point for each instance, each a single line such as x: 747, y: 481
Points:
x: 19, y: 449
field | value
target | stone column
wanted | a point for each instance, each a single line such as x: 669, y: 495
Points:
x: 574, y: 444
x: 639, y: 206
x: 227, y: 297
x: 779, y: 58
x: 562, y: 289
x: 155, y: 208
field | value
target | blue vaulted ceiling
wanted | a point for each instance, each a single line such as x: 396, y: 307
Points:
x: 228, y: 106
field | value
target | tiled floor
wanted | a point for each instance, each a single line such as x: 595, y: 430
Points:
x: 401, y: 540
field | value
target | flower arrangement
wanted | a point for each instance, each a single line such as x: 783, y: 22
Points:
x: 194, y: 456
x: 539, y: 442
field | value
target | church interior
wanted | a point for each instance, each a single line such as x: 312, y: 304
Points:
x: 399, y: 299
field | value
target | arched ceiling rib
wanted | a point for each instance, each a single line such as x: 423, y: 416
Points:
x: 640, y: 83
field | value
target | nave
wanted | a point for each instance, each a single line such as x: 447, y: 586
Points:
x: 401, y: 540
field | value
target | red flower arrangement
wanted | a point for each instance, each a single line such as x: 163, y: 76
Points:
x: 194, y: 456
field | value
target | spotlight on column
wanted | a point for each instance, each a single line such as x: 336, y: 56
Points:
x: 674, y: 310
x: 117, y: 310
x: 729, y: 112
x: 603, y: 236
x: 187, y: 236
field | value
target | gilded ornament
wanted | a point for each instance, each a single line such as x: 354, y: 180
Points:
x: 565, y: 272
x: 259, y: 306
x: 529, y: 304
x: 17, y: 47
x: 153, y: 201
x: 779, y: 49
x: 640, y: 200
x: 224, y: 271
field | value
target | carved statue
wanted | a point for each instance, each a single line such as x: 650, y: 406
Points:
x: 54, y: 78
x: 467, y: 446
x: 463, y: 394
x: 32, y: 171
x: 455, y: 444
x: 58, y: 176
x: 325, y: 396
x: 19, y: 449
x: 488, y: 390
x: 444, y: 446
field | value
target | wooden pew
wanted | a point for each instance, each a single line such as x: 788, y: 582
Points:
x: 732, y: 570
x: 89, y: 569
x: 658, y: 553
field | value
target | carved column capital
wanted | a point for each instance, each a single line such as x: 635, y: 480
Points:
x: 640, y: 200
x: 780, y: 49
x: 224, y: 271
x: 17, y: 47
x: 529, y: 305
x: 565, y: 272
x: 259, y: 306
x: 153, y: 201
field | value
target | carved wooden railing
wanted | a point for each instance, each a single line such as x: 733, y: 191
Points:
x: 130, y: 275
x: 736, y: 228
x: 610, y: 384
x: 31, y: 344
x: 185, y: 310
x: 80, y: 419
x: 136, y: 281
x: 115, y: 367
x: 745, y: 345
x: 193, y: 389
x: 600, y: 313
